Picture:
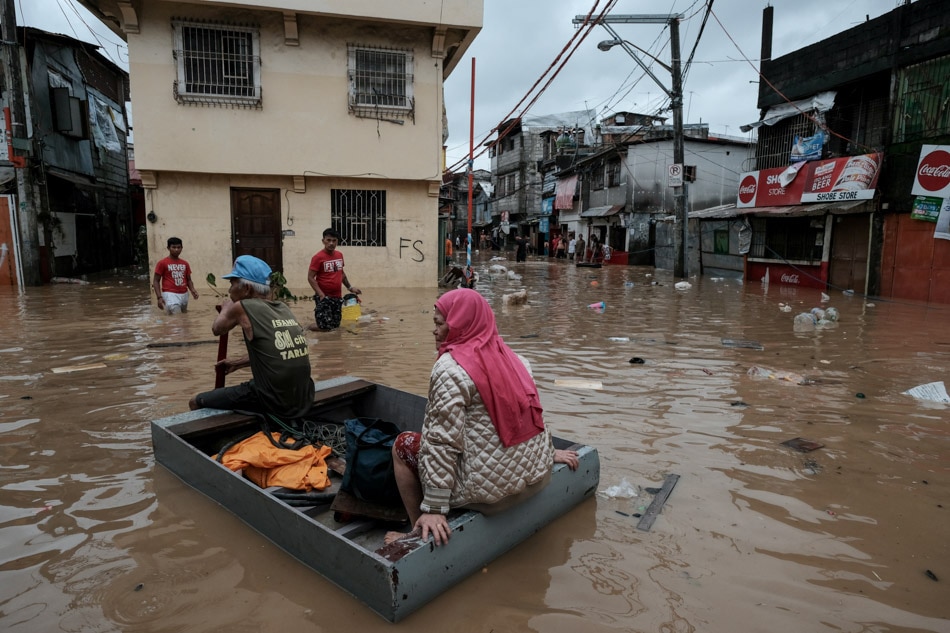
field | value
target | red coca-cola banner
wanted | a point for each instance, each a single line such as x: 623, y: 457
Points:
x: 933, y: 172
x: 832, y: 180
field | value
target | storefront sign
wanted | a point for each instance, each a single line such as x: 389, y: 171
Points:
x: 764, y: 188
x: 838, y: 179
x: 933, y: 172
x: 832, y: 180
x: 926, y: 208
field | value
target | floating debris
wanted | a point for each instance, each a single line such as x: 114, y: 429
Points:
x: 578, y: 384
x: 742, y: 343
x: 803, y: 445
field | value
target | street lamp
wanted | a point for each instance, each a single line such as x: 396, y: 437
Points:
x: 675, y: 93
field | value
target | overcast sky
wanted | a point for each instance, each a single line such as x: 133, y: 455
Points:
x: 521, y: 38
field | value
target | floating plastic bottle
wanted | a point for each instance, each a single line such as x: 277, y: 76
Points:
x: 804, y: 322
x: 831, y: 314
x: 598, y: 307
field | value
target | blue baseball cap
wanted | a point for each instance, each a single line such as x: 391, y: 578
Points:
x: 250, y: 268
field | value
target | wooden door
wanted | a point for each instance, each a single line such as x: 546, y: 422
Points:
x: 255, y: 225
x: 850, y: 240
x: 9, y: 254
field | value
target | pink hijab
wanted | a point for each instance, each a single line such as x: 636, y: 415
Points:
x: 503, y: 381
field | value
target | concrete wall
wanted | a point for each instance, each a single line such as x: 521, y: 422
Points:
x: 196, y: 207
x: 908, y: 34
x: 191, y: 155
x: 303, y: 126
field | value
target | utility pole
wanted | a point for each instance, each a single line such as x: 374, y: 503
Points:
x: 680, y: 199
x: 26, y: 191
x: 675, y: 93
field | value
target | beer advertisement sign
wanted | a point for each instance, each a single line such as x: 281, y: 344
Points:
x: 832, y: 180
x: 842, y: 179
x: 933, y: 172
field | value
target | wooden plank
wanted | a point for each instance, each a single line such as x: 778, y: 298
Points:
x: 336, y: 393
x: 211, y: 424
x: 646, y: 521
x: 226, y: 421
x: 70, y: 369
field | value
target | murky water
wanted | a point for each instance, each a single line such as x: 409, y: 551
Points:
x: 755, y: 537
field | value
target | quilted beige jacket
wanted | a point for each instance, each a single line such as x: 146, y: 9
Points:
x: 461, y: 458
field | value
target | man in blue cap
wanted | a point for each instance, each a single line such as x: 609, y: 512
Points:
x: 277, y: 349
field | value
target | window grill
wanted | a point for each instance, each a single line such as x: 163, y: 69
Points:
x: 775, y: 142
x: 359, y: 216
x: 923, y: 94
x: 217, y: 64
x: 380, y: 80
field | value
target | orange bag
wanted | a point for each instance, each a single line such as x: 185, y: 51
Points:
x: 266, y: 465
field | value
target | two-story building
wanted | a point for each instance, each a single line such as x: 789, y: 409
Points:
x: 75, y: 145
x: 260, y: 123
x: 518, y: 155
x: 844, y: 123
x: 620, y: 194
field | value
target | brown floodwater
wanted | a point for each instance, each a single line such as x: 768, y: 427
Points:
x: 853, y: 536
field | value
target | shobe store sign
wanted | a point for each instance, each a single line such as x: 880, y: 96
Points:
x: 933, y: 172
x: 832, y: 180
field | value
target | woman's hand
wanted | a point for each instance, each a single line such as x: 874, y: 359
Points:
x: 566, y: 457
x: 437, y: 524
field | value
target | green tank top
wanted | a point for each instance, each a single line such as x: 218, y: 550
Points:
x: 280, y: 358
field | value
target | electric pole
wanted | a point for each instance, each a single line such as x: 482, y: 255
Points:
x: 680, y: 200
x: 14, y: 90
x: 675, y: 93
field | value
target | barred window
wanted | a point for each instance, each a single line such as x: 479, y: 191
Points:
x: 613, y: 173
x: 359, y: 216
x: 217, y: 64
x: 380, y: 79
x: 597, y: 177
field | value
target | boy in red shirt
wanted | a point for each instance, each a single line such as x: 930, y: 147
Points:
x: 172, y: 280
x: 327, y: 278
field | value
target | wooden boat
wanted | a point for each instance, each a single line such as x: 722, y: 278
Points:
x: 392, y: 580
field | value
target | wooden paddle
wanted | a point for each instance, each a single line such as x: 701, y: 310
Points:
x: 219, y: 370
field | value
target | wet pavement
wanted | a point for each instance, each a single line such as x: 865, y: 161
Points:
x: 756, y: 536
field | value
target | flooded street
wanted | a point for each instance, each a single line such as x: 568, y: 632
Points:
x: 756, y: 536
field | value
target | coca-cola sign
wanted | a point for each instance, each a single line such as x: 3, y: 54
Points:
x: 747, y: 191
x: 933, y: 172
x: 789, y: 279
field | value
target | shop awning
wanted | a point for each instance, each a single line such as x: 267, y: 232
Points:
x: 790, y: 211
x: 602, y: 212
x: 73, y: 177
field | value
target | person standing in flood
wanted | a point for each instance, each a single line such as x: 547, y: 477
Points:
x: 580, y: 250
x: 521, y: 250
x: 327, y: 279
x: 172, y: 280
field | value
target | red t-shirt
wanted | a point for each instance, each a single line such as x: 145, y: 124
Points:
x: 329, y: 269
x: 175, y: 274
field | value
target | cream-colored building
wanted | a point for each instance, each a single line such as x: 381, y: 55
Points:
x: 258, y: 124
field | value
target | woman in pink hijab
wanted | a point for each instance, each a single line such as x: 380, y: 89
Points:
x: 483, y: 444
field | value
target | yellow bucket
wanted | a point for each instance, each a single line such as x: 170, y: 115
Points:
x: 351, y: 313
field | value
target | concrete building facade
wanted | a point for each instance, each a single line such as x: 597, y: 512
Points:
x: 260, y: 124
